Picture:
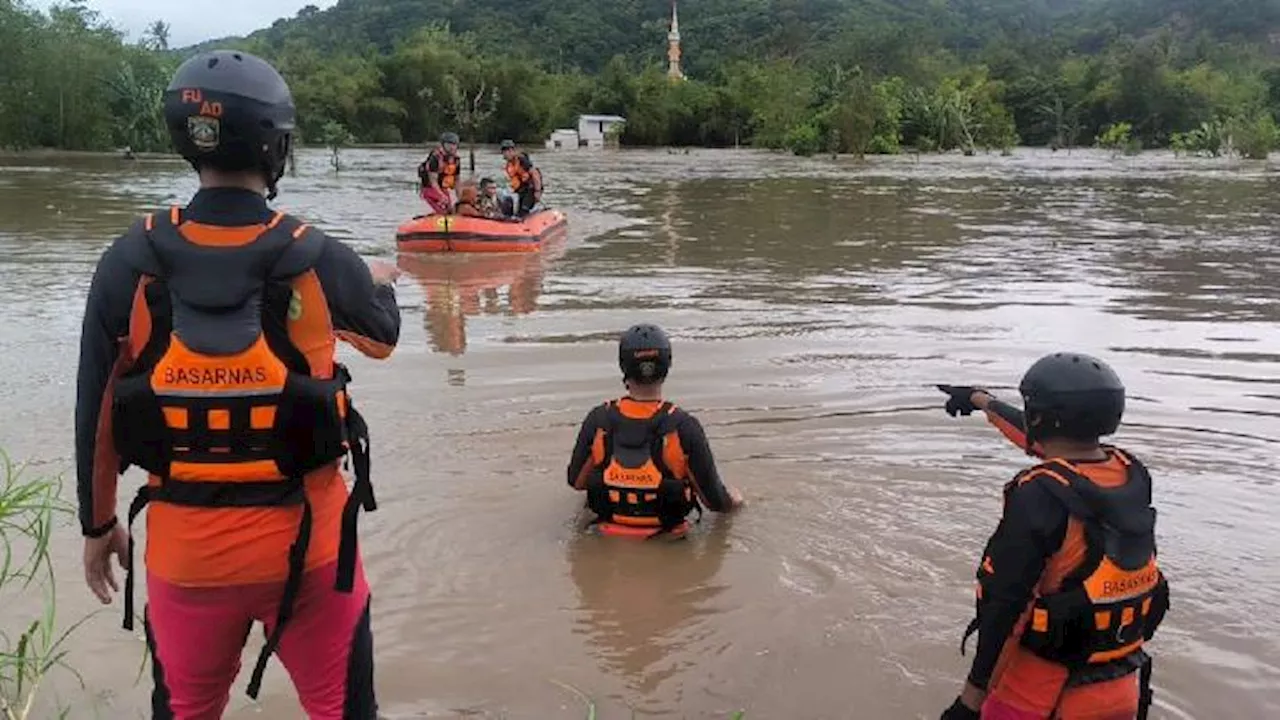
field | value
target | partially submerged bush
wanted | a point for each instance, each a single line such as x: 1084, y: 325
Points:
x: 29, y: 508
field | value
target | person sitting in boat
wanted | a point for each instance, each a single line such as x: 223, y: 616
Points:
x: 644, y: 463
x: 489, y: 203
x: 469, y: 201
x: 438, y: 174
x: 526, y: 179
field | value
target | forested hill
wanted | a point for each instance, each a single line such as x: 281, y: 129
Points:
x: 857, y: 76
x: 584, y: 34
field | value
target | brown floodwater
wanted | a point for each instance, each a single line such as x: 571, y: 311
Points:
x: 813, y: 304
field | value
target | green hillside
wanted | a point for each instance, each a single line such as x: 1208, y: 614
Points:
x: 565, y: 35
x: 807, y: 75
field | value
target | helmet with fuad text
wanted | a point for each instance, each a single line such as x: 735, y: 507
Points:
x: 232, y: 111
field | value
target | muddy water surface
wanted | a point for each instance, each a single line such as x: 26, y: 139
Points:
x: 813, y: 304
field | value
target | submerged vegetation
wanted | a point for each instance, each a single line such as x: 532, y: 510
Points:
x: 28, y: 510
x: 850, y: 76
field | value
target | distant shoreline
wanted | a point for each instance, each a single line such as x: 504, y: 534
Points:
x: 462, y: 149
x: 61, y: 153
x: 155, y: 157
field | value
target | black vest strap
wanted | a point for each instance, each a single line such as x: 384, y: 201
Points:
x: 1145, y: 694
x: 361, y: 497
x: 292, y: 583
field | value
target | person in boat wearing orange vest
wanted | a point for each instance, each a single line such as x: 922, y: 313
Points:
x: 438, y: 174
x: 207, y: 359
x: 526, y: 179
x: 1068, y: 589
x: 644, y: 463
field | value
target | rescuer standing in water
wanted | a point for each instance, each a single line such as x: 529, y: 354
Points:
x: 644, y: 463
x: 1068, y: 586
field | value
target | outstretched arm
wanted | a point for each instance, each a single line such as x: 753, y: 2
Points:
x: 365, y: 313
x: 1009, y: 420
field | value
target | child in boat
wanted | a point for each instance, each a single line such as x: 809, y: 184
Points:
x: 468, y: 201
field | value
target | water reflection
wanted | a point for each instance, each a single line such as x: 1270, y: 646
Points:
x: 455, y: 286
x: 641, y: 603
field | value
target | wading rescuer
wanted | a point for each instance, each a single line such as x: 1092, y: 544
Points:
x: 644, y: 463
x: 526, y: 179
x: 207, y: 359
x: 1068, y: 586
x: 438, y: 174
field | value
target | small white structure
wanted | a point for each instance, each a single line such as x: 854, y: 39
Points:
x: 597, y: 131
x: 563, y: 138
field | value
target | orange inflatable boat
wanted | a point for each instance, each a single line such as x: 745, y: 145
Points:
x: 460, y: 233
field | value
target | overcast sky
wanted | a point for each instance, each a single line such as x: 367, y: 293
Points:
x: 192, y: 21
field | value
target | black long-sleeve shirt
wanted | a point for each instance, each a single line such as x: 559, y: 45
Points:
x: 363, y: 313
x: 1031, y: 529
x: 693, y: 440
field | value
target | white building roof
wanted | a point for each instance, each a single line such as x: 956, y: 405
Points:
x: 601, y: 118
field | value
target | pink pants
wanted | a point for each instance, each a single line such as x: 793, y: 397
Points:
x: 439, y: 200
x: 196, y: 636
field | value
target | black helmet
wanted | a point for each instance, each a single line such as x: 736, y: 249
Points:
x: 230, y: 110
x: 448, y: 137
x: 1071, y: 395
x: 644, y: 354
x: 508, y: 145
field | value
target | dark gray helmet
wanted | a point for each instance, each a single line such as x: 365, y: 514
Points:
x: 1071, y: 395
x: 644, y: 353
x: 230, y: 110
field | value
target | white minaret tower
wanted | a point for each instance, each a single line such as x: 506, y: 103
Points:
x: 673, y: 46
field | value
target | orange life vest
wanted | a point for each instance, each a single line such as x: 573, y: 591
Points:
x: 219, y: 403
x: 632, y: 483
x: 449, y: 166
x: 518, y: 176
x: 1093, y: 620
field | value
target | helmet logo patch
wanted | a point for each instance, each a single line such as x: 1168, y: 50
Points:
x: 648, y: 369
x: 204, y: 132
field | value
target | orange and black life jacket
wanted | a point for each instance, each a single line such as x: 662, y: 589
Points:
x: 449, y: 168
x: 1104, y: 611
x: 449, y: 165
x: 633, y: 485
x: 218, y: 404
x: 516, y: 173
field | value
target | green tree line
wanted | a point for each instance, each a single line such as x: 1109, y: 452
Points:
x: 859, y: 76
x: 68, y: 80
